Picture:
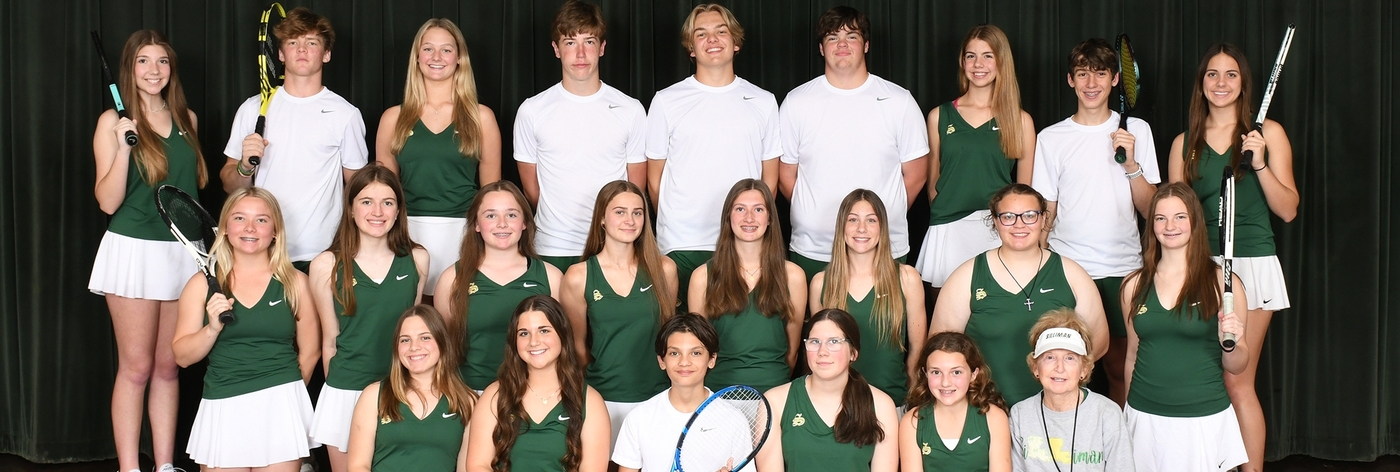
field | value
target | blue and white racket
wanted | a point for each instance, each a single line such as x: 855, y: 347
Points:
x: 725, y: 432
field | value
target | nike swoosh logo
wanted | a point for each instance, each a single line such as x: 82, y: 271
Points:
x: 401, y: 277
x: 1046, y: 290
x: 646, y: 288
x: 1266, y: 302
x: 706, y: 429
x: 881, y: 99
x: 613, y: 106
x: 749, y: 98
x: 973, y: 440
x: 327, y: 111
x: 994, y: 128
x: 274, y: 302
x: 529, y: 285
x: 563, y: 418
x: 448, y: 415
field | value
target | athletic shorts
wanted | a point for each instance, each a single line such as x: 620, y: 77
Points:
x: 442, y: 237
x: 949, y: 245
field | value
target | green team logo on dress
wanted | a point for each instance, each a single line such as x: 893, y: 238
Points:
x: 597, y: 295
x: 1142, y: 309
x: 471, y: 288
x: 950, y: 130
x: 926, y: 450
x: 798, y: 420
x: 981, y: 293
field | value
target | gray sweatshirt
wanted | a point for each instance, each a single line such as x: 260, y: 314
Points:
x: 1100, y: 444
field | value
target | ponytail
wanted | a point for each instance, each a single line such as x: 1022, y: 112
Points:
x: 857, y: 423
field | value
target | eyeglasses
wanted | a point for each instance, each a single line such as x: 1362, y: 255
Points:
x: 1009, y: 218
x: 832, y: 344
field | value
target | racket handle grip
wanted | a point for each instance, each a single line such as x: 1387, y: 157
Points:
x: 227, y: 316
x: 1227, y: 302
x: 258, y: 129
x: 1248, y: 159
x: 1122, y: 155
x: 131, y: 138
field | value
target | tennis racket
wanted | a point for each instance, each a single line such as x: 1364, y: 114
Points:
x: 195, y: 230
x: 267, y: 71
x: 112, y: 86
x: 1128, y: 88
x: 1227, y: 243
x: 1269, y: 89
x: 728, y: 428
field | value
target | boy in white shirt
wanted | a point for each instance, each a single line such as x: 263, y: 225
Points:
x: 844, y: 130
x: 576, y: 136
x: 312, y: 142
x: 703, y: 134
x: 1094, y: 199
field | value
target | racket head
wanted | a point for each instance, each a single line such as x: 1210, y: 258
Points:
x: 1128, y: 86
x: 269, y: 68
x: 732, y: 424
x: 186, y: 219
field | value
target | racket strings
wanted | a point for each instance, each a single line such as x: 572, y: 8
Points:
x: 187, y: 217
x: 727, y: 431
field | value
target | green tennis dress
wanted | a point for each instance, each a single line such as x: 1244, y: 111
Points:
x: 489, y: 306
x: 257, y: 350
x: 437, y: 179
x: 137, y: 217
x: 428, y: 444
x: 540, y: 447
x: 881, y: 362
x: 623, y: 330
x: 1001, y: 322
x: 809, y: 444
x: 753, y: 350
x: 1254, y: 235
x: 366, y: 341
x: 1178, y: 371
x: 971, y: 452
x: 971, y: 167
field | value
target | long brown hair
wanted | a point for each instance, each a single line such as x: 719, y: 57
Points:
x: 856, y: 423
x: 1201, y: 288
x: 888, y: 314
x: 981, y: 391
x: 281, y: 263
x: 1200, y: 110
x: 465, y: 114
x: 1006, y: 94
x: 644, y: 249
x: 725, y: 291
x: 474, y: 248
x: 346, y: 244
x: 150, y: 148
x: 394, y: 390
x: 514, y: 375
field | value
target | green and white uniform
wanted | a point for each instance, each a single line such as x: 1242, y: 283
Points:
x: 971, y: 452
x: 489, y: 307
x: 438, y: 186
x: 428, y: 444
x: 1001, y: 322
x: 881, y: 362
x: 752, y: 350
x: 1256, y: 262
x: 541, y: 446
x: 809, y: 443
x: 622, y: 329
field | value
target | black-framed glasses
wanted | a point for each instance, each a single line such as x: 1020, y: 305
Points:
x: 1029, y: 217
x: 832, y: 344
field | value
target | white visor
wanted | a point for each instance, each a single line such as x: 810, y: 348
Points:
x: 1060, y: 338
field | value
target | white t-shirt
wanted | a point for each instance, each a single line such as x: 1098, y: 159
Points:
x: 710, y: 138
x: 649, y: 434
x: 578, y: 144
x: 842, y: 140
x: 1096, y: 223
x: 309, y: 140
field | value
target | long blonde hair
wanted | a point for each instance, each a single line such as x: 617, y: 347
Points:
x: 465, y: 115
x: 888, y: 313
x: 1006, y: 94
x: 222, y: 252
x: 150, y: 149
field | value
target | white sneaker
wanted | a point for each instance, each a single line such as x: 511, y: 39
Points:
x: 306, y: 467
x: 169, y: 468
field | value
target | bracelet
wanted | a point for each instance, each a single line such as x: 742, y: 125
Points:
x: 1134, y: 174
x: 1266, y: 166
x: 247, y: 173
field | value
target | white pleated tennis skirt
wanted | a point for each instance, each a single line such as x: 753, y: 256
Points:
x: 140, y: 268
x: 442, y: 237
x: 255, y: 429
x: 334, y: 410
x: 948, y: 245
x: 1166, y: 444
x: 618, y: 411
x: 1264, y: 287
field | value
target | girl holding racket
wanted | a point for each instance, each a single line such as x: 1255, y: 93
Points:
x: 255, y: 411
x: 417, y: 418
x: 1066, y: 426
x: 1218, y: 135
x: 620, y: 295
x: 975, y: 141
x: 998, y: 295
x: 496, y: 269
x: 831, y: 419
x: 441, y: 142
x: 1178, y: 409
x: 370, y: 275
x: 751, y: 293
x: 885, y: 297
x: 540, y: 415
x: 957, y: 418
x: 140, y: 268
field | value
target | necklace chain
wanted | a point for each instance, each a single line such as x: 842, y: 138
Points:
x: 544, y: 400
x: 1040, y: 264
x: 1074, y: 430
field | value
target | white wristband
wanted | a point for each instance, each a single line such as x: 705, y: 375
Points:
x: 1134, y: 174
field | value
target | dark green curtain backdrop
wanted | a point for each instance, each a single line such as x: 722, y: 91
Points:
x: 1328, y: 379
